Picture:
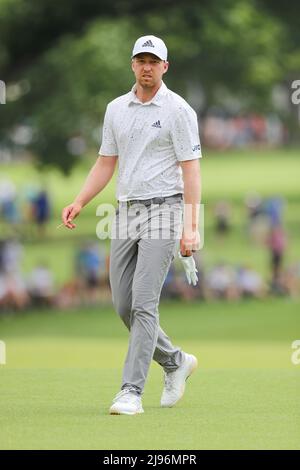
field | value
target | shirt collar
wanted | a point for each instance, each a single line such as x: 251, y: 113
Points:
x: 157, y: 98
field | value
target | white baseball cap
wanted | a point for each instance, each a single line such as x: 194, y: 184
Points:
x: 152, y: 45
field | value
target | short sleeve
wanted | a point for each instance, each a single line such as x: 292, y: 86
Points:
x: 109, y: 145
x: 185, y: 134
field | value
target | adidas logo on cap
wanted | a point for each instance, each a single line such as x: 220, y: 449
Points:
x: 148, y: 44
x: 156, y: 124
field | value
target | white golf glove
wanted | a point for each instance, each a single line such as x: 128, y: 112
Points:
x: 190, y: 268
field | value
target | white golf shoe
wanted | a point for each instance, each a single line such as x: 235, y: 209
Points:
x: 126, y: 403
x: 175, y: 381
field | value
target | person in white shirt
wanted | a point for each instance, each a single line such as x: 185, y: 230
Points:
x: 153, y: 135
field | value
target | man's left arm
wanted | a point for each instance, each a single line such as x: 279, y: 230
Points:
x: 190, y: 240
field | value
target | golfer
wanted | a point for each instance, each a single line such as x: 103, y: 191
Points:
x: 152, y: 133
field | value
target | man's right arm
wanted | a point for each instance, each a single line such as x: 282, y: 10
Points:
x: 98, y: 177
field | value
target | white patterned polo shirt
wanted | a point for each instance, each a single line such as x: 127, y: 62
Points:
x: 150, y: 139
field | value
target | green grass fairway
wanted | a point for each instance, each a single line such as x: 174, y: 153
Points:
x: 63, y: 370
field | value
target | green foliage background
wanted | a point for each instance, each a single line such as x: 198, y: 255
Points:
x: 66, y: 61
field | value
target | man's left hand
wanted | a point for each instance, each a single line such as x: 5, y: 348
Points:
x: 190, y: 268
x: 189, y: 242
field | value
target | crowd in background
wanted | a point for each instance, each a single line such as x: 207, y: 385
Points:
x: 90, y: 281
x: 219, y: 130
x: 88, y: 285
x: 222, y: 131
x: 24, y: 212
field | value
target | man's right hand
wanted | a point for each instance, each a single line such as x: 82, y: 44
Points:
x: 69, y: 213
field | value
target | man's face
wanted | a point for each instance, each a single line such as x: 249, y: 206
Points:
x: 148, y: 69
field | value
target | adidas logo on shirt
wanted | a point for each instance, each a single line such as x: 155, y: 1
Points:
x: 156, y: 124
x: 148, y: 44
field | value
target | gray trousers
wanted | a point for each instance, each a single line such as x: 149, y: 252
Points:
x: 144, y: 243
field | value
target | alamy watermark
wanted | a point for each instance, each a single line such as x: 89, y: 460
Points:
x: 295, y: 357
x: 2, y: 92
x: 296, y: 94
x: 156, y: 221
x: 2, y: 353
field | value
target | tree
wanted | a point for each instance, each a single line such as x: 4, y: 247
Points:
x: 63, y: 69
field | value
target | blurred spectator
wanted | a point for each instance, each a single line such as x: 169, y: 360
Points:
x: 16, y: 293
x: 3, y: 292
x: 11, y: 255
x: 276, y: 241
x: 221, y: 282
x: 8, y: 203
x: 254, y: 206
x: 2, y: 248
x: 28, y: 198
x: 277, y: 244
x: 68, y: 296
x: 222, y: 217
x: 258, y: 224
x: 10, y: 211
x: 273, y: 208
x: 91, y: 270
x: 41, y: 211
x: 291, y: 280
x: 250, y: 283
x: 41, y: 286
x: 7, y: 191
x: 90, y: 263
x: 13, y: 292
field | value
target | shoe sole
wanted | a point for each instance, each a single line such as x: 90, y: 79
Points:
x: 115, y: 412
x: 194, y: 367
